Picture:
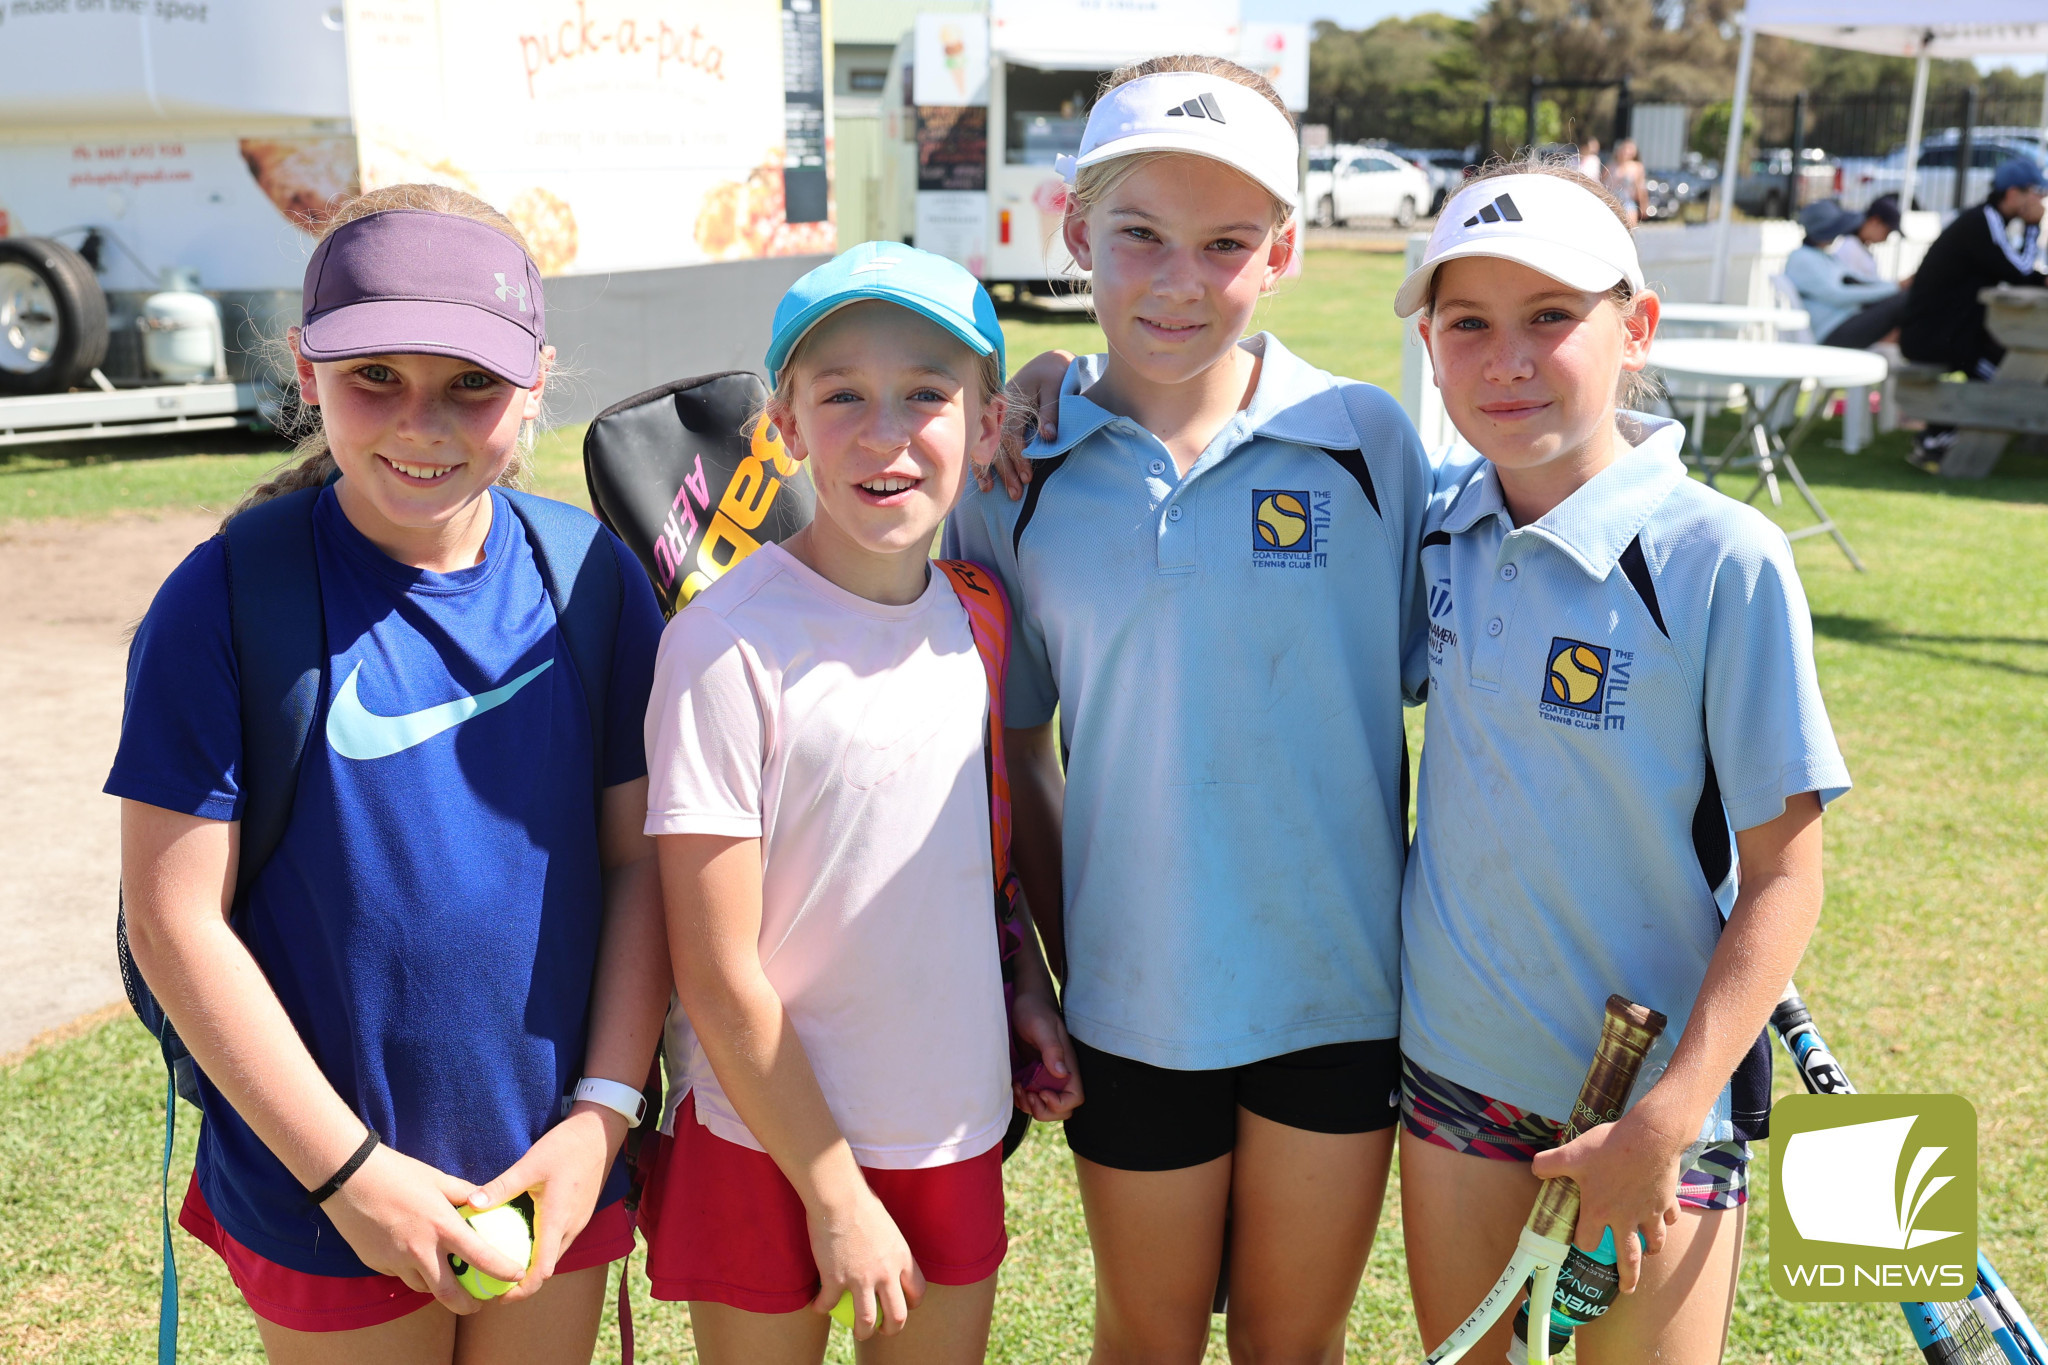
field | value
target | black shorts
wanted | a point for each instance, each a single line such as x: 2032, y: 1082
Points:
x: 1139, y: 1117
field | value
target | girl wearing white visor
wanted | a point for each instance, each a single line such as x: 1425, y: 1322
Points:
x: 1623, y: 717
x: 1213, y: 571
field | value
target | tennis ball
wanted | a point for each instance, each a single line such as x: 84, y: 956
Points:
x: 1281, y: 520
x: 842, y: 1311
x: 508, y: 1228
x: 1575, y: 674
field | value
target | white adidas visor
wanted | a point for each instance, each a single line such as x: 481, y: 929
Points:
x: 1186, y: 111
x: 1542, y: 221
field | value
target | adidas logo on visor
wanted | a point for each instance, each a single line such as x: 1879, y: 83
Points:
x: 1503, y: 207
x: 1203, y: 107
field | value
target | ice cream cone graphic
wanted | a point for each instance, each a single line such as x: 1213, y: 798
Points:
x: 955, y: 46
x: 1050, y: 199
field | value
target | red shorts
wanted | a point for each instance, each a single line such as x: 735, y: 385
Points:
x: 342, y: 1303
x: 725, y: 1226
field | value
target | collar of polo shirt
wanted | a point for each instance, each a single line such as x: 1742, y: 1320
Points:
x: 1278, y: 410
x: 1597, y: 522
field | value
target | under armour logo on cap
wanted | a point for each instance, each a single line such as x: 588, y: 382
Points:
x: 1202, y: 106
x: 1503, y: 207
x: 506, y: 289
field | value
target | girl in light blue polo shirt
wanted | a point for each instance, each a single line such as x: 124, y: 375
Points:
x: 1623, y: 717
x: 1214, y: 573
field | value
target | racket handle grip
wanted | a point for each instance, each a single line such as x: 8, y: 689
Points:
x: 1627, y: 1033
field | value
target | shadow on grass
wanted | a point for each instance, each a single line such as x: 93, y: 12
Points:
x: 2021, y: 477
x: 40, y: 459
x: 1859, y: 630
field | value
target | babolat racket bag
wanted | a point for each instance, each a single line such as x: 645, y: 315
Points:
x: 693, y: 480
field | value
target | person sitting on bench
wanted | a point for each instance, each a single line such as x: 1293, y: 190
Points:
x: 1847, y: 309
x: 1944, y: 322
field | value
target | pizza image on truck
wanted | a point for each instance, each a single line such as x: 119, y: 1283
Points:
x: 165, y: 169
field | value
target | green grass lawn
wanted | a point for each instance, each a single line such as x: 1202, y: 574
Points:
x: 1927, y: 973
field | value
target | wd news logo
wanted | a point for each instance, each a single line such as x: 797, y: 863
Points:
x: 1875, y: 1198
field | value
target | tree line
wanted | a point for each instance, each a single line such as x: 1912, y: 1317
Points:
x: 1423, y: 81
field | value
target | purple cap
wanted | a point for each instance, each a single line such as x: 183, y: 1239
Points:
x: 411, y: 282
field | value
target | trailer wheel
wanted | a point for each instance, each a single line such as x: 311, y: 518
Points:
x: 53, y: 316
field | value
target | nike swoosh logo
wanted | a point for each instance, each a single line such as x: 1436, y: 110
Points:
x: 356, y: 732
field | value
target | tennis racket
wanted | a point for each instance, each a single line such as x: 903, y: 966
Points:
x: 1626, y: 1034
x: 1987, y: 1328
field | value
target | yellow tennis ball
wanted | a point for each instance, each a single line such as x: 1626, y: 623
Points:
x: 1575, y: 674
x: 508, y: 1228
x: 1281, y: 520
x: 842, y: 1311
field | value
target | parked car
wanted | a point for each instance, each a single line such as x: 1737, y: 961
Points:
x: 1316, y: 187
x: 1370, y: 182
x: 1673, y: 191
x: 1764, y: 189
x: 1934, y: 182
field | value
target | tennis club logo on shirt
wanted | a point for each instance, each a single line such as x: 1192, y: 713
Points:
x: 355, y: 731
x: 1875, y: 1198
x: 1289, y: 527
x: 1583, y: 684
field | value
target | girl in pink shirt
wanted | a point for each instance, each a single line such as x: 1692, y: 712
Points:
x: 820, y: 801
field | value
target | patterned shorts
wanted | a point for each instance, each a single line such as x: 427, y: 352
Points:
x: 1445, y: 1113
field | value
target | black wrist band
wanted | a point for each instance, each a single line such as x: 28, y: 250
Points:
x: 348, y: 1168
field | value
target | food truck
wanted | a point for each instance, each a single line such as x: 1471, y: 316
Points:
x: 977, y: 107
x: 666, y: 159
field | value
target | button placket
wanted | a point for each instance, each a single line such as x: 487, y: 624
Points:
x: 1496, y: 618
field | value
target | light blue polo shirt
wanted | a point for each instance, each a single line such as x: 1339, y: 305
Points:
x: 1612, y: 690
x: 1224, y: 649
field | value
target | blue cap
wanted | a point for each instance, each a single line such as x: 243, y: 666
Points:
x: 2016, y: 174
x: 929, y: 285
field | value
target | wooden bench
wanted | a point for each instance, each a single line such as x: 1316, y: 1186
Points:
x: 1988, y: 416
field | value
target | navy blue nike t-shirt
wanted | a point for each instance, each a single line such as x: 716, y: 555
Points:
x: 430, y: 920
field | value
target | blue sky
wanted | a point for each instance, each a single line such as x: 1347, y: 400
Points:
x: 1364, y: 13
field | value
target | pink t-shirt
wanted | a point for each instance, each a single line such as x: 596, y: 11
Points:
x: 847, y: 736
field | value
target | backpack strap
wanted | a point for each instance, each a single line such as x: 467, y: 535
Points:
x: 581, y: 572
x: 280, y: 645
x: 988, y: 615
x: 280, y: 640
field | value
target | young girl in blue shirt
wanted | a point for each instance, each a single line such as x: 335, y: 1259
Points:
x: 1624, y: 722
x: 445, y: 987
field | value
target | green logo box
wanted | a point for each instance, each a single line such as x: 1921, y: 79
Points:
x: 1873, y: 1198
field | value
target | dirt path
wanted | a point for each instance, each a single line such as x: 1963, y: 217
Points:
x: 68, y: 593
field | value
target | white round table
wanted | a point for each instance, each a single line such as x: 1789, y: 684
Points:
x: 1767, y: 364
x: 1771, y: 375
x: 1735, y: 316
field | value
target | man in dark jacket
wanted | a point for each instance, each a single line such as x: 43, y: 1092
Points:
x: 1944, y: 322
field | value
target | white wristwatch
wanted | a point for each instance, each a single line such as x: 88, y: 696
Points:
x: 614, y: 1095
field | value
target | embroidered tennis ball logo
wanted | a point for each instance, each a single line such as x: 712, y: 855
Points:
x: 1577, y: 675
x: 1281, y: 521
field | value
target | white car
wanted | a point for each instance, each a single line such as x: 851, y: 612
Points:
x: 1371, y: 183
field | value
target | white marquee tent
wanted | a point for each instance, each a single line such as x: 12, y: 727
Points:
x: 1899, y: 28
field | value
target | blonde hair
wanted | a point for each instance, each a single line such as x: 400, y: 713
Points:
x: 1635, y: 388
x: 1098, y: 182
x: 780, y: 406
x: 312, y: 463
